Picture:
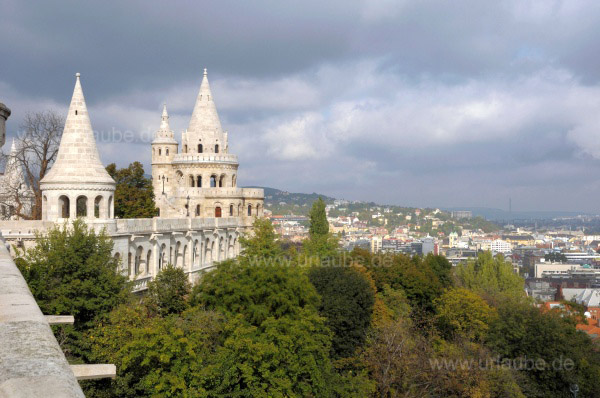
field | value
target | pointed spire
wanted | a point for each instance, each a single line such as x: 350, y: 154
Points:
x: 205, y: 118
x: 78, y: 160
x: 164, y: 124
x: 164, y: 134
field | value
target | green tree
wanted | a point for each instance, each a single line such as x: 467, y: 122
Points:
x: 262, y: 244
x: 418, y: 281
x: 490, y: 277
x: 441, y: 267
x: 550, y: 353
x: 462, y: 313
x: 319, y: 226
x: 285, y: 357
x: 347, y: 303
x: 134, y: 195
x: 71, y: 271
x: 156, y: 356
x: 167, y: 293
x: 320, y: 241
x: 555, y: 257
x: 258, y: 284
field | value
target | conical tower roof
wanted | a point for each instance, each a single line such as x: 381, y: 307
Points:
x: 78, y: 160
x: 205, y: 118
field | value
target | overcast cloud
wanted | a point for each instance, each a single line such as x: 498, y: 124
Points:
x: 425, y: 103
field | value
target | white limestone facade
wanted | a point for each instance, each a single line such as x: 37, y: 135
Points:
x: 198, y: 225
x: 199, y: 179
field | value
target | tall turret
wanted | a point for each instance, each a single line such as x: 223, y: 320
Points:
x: 164, y: 148
x: 78, y: 184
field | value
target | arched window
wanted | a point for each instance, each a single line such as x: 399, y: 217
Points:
x: 199, y: 181
x: 197, y: 210
x: 159, y: 151
x: 81, y: 206
x: 231, y: 210
x: 138, y: 260
x: 213, y: 181
x: 97, y: 206
x: 200, y: 148
x: 129, y: 256
x: 64, y: 205
x: 192, y: 181
x: 233, y: 181
x: 148, y: 261
x: 44, y: 208
x: 217, y: 212
x: 185, y: 149
x: 217, y: 148
x: 249, y: 210
x: 222, y: 181
x: 167, y: 151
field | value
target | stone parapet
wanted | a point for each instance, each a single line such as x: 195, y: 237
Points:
x: 31, y: 361
x: 217, y: 193
x: 205, y: 158
x: 164, y: 225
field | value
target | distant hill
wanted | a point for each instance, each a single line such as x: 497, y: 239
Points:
x: 274, y: 196
x: 502, y: 215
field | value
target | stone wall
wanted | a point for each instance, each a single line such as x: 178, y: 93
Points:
x: 31, y: 361
x: 144, y: 246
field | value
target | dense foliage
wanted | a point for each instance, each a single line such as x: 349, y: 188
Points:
x: 269, y: 323
x: 134, y: 195
x: 71, y: 271
x: 347, y: 301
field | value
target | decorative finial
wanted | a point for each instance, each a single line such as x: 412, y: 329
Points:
x: 77, y: 75
x: 205, y: 73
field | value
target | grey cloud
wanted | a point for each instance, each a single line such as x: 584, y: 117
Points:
x: 427, y: 103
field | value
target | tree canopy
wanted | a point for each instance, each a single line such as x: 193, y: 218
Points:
x: 134, y: 195
x: 347, y: 301
x: 71, y: 271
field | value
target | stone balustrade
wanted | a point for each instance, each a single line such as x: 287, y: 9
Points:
x: 205, y: 158
x: 31, y: 361
x: 216, y: 193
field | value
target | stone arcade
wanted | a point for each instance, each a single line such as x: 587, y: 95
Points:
x: 202, y: 212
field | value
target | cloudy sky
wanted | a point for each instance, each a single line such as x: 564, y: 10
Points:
x: 424, y: 103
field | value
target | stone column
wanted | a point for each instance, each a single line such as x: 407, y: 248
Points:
x: 73, y: 206
x: 4, y: 114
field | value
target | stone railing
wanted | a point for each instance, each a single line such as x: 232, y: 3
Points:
x: 31, y: 361
x: 158, y: 225
x: 23, y: 227
x: 205, y: 158
x: 141, y: 284
x: 226, y: 193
